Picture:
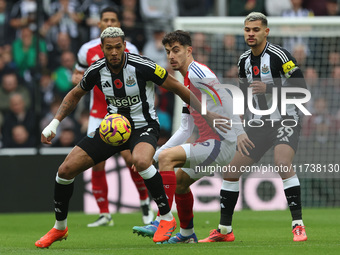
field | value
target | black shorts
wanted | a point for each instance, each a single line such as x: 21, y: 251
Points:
x: 267, y: 136
x: 99, y: 151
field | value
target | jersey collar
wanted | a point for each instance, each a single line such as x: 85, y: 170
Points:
x: 126, y: 58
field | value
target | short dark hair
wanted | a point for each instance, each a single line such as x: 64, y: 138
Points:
x: 177, y: 36
x: 111, y: 9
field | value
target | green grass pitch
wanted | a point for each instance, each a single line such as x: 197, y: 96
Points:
x: 265, y: 232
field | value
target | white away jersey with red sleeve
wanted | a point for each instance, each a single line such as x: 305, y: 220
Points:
x: 202, y: 81
x: 87, y: 55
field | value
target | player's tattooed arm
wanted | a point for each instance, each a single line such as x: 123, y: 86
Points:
x: 70, y: 102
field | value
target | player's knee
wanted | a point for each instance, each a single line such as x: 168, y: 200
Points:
x: 65, y: 171
x: 164, y: 160
x: 283, y: 162
x: 141, y: 163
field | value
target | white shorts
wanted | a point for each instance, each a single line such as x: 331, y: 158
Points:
x: 93, y: 124
x: 209, y: 153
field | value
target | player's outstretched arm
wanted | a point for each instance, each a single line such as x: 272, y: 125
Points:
x: 188, y: 97
x: 68, y: 104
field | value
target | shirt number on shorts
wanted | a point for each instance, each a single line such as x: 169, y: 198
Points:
x: 285, y: 131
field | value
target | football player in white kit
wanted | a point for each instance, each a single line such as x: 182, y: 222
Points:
x: 210, y: 149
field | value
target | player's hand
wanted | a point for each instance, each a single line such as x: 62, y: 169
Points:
x: 49, y: 132
x: 259, y: 87
x: 76, y: 78
x: 133, y: 168
x: 216, y: 120
x: 243, y: 144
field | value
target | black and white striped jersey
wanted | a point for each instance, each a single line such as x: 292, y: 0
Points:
x: 131, y: 91
x: 276, y: 67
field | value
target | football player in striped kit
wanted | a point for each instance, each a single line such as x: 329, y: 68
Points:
x: 87, y: 55
x: 127, y: 81
x: 265, y: 67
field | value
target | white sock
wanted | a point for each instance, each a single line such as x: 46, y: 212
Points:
x: 297, y: 222
x: 186, y: 232
x: 231, y: 186
x: 107, y: 215
x: 291, y: 182
x: 158, y: 218
x: 63, y: 181
x: 145, y: 202
x: 148, y: 173
x: 225, y: 229
x: 60, y: 224
x: 167, y: 217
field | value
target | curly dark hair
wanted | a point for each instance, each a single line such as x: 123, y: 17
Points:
x: 177, y: 36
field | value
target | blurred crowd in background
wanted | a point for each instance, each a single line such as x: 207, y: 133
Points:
x: 67, y: 24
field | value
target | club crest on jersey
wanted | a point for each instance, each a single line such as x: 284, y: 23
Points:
x: 130, y: 82
x: 118, y: 83
x: 265, y: 69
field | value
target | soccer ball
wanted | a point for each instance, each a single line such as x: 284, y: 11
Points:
x: 115, y: 129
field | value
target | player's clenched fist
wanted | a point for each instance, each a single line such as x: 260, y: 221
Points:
x: 49, y: 132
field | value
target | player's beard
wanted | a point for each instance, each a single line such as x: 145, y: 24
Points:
x: 253, y: 44
x: 116, y: 66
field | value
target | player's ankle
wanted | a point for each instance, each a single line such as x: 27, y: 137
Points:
x: 167, y: 217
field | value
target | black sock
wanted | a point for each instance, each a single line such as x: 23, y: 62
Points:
x: 62, y: 195
x: 228, y: 201
x: 293, y: 196
x: 155, y: 187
